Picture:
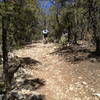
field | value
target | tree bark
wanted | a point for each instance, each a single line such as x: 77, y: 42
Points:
x: 93, y: 23
x: 98, y: 46
x: 59, y: 31
x: 75, y: 38
x: 69, y: 34
x: 5, y: 54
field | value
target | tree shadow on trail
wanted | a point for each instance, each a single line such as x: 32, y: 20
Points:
x: 34, y: 84
x: 14, y: 96
x: 77, y: 53
x: 17, y: 62
x: 39, y: 97
x: 31, y: 46
x: 94, y: 55
x: 29, y: 61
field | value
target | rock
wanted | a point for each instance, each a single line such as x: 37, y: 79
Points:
x: 78, y: 85
x: 37, y: 97
x: 97, y: 94
x: 19, y: 80
x: 15, y: 94
x: 1, y: 96
x: 93, y: 60
x: 10, y: 55
x: 84, y: 83
x: 71, y: 88
x: 68, y: 44
x: 80, y: 78
x: 21, y: 97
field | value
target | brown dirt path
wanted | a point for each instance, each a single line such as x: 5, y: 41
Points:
x: 61, y: 81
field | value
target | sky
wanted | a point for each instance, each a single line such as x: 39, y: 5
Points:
x: 45, y: 5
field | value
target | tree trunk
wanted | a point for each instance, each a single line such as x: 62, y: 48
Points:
x: 93, y: 22
x: 5, y: 54
x: 75, y: 38
x: 59, y: 31
x: 68, y: 37
x: 82, y: 34
x: 98, y: 46
x: 69, y: 34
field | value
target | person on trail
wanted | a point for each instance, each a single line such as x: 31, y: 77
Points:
x: 45, y: 35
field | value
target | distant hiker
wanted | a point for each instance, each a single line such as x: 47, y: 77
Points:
x: 45, y: 35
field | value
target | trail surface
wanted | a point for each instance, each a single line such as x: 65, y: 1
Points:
x: 63, y: 80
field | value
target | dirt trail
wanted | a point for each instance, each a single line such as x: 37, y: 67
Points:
x: 61, y: 82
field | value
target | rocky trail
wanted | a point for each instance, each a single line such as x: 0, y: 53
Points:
x: 50, y: 77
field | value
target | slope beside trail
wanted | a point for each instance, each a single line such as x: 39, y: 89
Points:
x: 62, y: 80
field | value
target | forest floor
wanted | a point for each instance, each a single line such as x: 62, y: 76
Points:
x: 61, y: 79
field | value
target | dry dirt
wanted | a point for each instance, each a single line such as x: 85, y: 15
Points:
x: 63, y: 80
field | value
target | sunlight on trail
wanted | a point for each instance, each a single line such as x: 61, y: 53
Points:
x: 60, y: 81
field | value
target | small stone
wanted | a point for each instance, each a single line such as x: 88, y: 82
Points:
x: 17, y: 95
x: 71, y: 88
x: 19, y: 80
x: 92, y: 89
x: 93, y: 60
x: 97, y: 94
x: 10, y: 55
x: 80, y: 77
x: 84, y: 83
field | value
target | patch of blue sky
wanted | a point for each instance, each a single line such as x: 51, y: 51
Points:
x: 45, y: 5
